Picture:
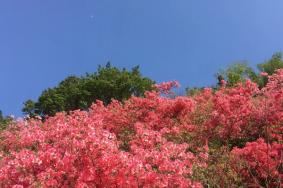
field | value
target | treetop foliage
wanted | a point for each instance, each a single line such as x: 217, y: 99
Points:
x: 272, y: 65
x: 239, y: 72
x: 236, y: 73
x: 4, y: 121
x: 80, y: 92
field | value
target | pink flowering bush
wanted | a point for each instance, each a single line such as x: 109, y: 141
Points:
x: 261, y: 163
x: 154, y: 141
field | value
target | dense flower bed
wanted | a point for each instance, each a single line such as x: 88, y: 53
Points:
x: 155, y: 141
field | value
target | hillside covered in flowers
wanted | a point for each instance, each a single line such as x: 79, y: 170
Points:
x: 230, y: 137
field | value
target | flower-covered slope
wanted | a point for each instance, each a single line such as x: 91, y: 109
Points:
x: 155, y: 141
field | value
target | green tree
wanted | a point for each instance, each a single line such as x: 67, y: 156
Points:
x: 80, y: 92
x: 241, y: 71
x: 4, y: 121
x: 236, y: 73
x: 270, y: 67
x: 1, y: 116
x: 30, y: 108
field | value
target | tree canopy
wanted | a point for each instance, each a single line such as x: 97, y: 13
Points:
x: 272, y: 65
x: 80, y: 92
x: 239, y: 72
x: 236, y: 73
x: 4, y: 121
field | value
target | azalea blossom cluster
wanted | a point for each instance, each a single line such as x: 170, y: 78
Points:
x: 262, y: 163
x: 151, y: 141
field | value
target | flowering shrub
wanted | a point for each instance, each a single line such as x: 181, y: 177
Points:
x: 262, y: 163
x: 154, y: 141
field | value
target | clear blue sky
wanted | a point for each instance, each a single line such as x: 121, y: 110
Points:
x: 43, y: 41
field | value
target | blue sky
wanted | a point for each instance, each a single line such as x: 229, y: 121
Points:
x: 43, y: 41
